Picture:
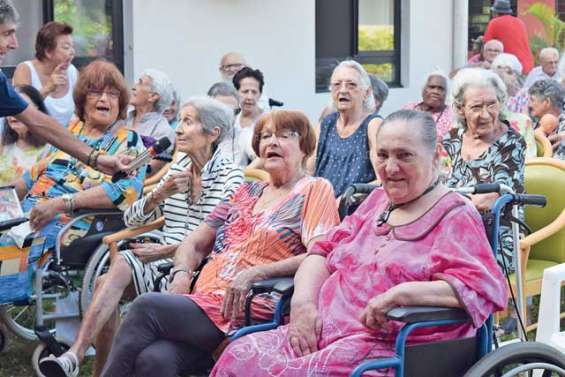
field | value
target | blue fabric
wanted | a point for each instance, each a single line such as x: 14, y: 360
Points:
x: 344, y: 161
x: 10, y: 102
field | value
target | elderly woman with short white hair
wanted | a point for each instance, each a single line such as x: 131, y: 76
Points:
x: 509, y: 69
x: 150, y: 95
x: 200, y: 178
x: 346, y: 136
x: 484, y: 149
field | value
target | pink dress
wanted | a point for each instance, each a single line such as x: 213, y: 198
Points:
x: 444, y: 119
x: 447, y: 243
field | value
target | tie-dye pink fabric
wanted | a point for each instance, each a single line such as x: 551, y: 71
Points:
x: 447, y: 243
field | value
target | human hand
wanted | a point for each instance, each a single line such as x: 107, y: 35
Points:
x: 234, y: 300
x: 44, y: 212
x: 175, y: 183
x: 556, y: 139
x: 304, y: 328
x: 148, y: 252
x: 113, y: 164
x: 484, y: 202
x: 374, y: 314
x: 181, y: 283
x: 58, y: 78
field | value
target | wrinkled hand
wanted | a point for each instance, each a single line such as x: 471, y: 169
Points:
x: 180, y: 284
x: 234, y: 301
x: 304, y: 329
x: 148, y: 252
x: 112, y: 164
x: 484, y: 202
x: 175, y: 183
x: 58, y: 78
x: 556, y: 139
x: 44, y: 212
x: 374, y: 314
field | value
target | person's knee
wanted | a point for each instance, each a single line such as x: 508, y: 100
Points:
x: 146, y: 302
x: 152, y: 362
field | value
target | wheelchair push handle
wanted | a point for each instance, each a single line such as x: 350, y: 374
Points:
x: 486, y: 188
x: 530, y: 199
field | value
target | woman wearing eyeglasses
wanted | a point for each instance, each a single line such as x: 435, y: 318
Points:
x: 485, y: 148
x: 60, y: 184
x: 346, y: 137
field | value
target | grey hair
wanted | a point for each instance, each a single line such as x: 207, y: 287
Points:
x: 476, y: 77
x: 424, y: 120
x: 548, y: 89
x: 439, y: 73
x: 369, y: 103
x: 212, y: 114
x: 223, y: 89
x: 8, y: 13
x: 380, y: 90
x: 548, y: 50
x: 493, y: 41
x: 507, y: 60
x: 162, y: 85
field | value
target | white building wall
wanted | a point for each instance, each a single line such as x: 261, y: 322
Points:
x: 186, y: 38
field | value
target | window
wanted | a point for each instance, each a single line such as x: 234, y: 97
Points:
x: 367, y: 31
x: 97, y: 24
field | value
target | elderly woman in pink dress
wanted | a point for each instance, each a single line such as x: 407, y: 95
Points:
x: 411, y: 242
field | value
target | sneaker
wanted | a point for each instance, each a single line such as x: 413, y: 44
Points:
x: 65, y: 365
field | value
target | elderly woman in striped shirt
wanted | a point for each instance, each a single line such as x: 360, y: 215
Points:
x: 199, y: 178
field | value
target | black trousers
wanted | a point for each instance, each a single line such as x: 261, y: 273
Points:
x: 163, y: 335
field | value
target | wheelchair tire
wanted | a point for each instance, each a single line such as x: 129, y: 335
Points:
x: 97, y: 265
x: 509, y: 357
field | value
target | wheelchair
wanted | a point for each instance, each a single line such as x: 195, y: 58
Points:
x: 50, y: 313
x: 471, y: 357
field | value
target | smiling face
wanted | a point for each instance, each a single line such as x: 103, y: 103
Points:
x: 249, y: 94
x: 434, y: 92
x: 101, y: 108
x: 280, y: 150
x: 64, y: 51
x: 191, y: 136
x: 8, y: 39
x: 403, y: 163
x: 480, y: 109
x: 347, y: 93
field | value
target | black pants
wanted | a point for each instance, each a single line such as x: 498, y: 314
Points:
x: 163, y: 335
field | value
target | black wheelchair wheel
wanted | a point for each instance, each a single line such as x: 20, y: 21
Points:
x: 518, y: 359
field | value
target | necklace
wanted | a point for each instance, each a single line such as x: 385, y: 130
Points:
x: 383, y: 217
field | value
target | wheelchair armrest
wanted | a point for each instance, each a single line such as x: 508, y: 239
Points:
x: 133, y: 232
x: 280, y: 285
x: 411, y: 314
x: 93, y: 212
x: 165, y: 268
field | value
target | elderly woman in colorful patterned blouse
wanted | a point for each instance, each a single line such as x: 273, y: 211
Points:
x: 60, y: 184
x: 485, y: 148
x: 199, y: 179
x: 263, y: 231
x: 411, y: 242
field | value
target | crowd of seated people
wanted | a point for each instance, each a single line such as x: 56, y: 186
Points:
x: 478, y: 126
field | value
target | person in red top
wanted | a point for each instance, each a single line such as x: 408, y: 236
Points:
x: 511, y: 31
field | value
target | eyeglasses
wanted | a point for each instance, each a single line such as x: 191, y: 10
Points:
x: 349, y: 85
x: 478, y: 109
x: 95, y: 93
x: 229, y: 67
x: 281, y: 135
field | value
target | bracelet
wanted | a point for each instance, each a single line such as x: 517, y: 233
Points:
x: 177, y: 270
x: 89, y: 159
x: 95, y: 160
x: 69, y: 201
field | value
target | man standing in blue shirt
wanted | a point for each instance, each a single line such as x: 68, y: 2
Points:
x: 46, y: 127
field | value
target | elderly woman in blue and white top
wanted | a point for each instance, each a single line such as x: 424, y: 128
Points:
x: 199, y: 178
x: 150, y: 95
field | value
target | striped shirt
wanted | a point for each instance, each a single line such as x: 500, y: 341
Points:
x: 220, y: 178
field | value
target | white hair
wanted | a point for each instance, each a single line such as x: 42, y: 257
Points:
x: 507, y: 60
x: 212, y: 114
x: 162, y: 85
x: 548, y: 50
x: 440, y: 73
x: 369, y: 103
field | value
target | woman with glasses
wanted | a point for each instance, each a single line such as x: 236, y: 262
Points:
x: 151, y: 94
x: 485, y: 148
x: 60, y: 184
x: 263, y: 231
x: 346, y: 137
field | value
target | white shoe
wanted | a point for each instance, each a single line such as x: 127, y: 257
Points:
x: 65, y: 365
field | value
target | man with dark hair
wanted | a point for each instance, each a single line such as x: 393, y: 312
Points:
x: 46, y: 127
x: 511, y: 31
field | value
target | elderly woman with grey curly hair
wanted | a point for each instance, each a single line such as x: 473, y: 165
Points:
x: 150, y: 96
x: 199, y: 179
x: 347, y: 137
x: 548, y: 97
x: 485, y: 148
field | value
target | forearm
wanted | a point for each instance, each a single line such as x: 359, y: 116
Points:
x: 286, y: 267
x: 54, y: 133
x: 153, y: 200
x: 309, y: 279
x: 194, y: 248
x: 425, y: 293
x: 92, y: 198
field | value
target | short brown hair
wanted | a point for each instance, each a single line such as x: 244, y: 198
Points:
x: 99, y: 75
x: 46, y: 39
x: 287, y: 120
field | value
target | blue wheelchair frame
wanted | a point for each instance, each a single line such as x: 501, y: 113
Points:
x: 415, y: 317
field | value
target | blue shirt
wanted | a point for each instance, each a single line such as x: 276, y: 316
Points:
x: 10, y: 102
